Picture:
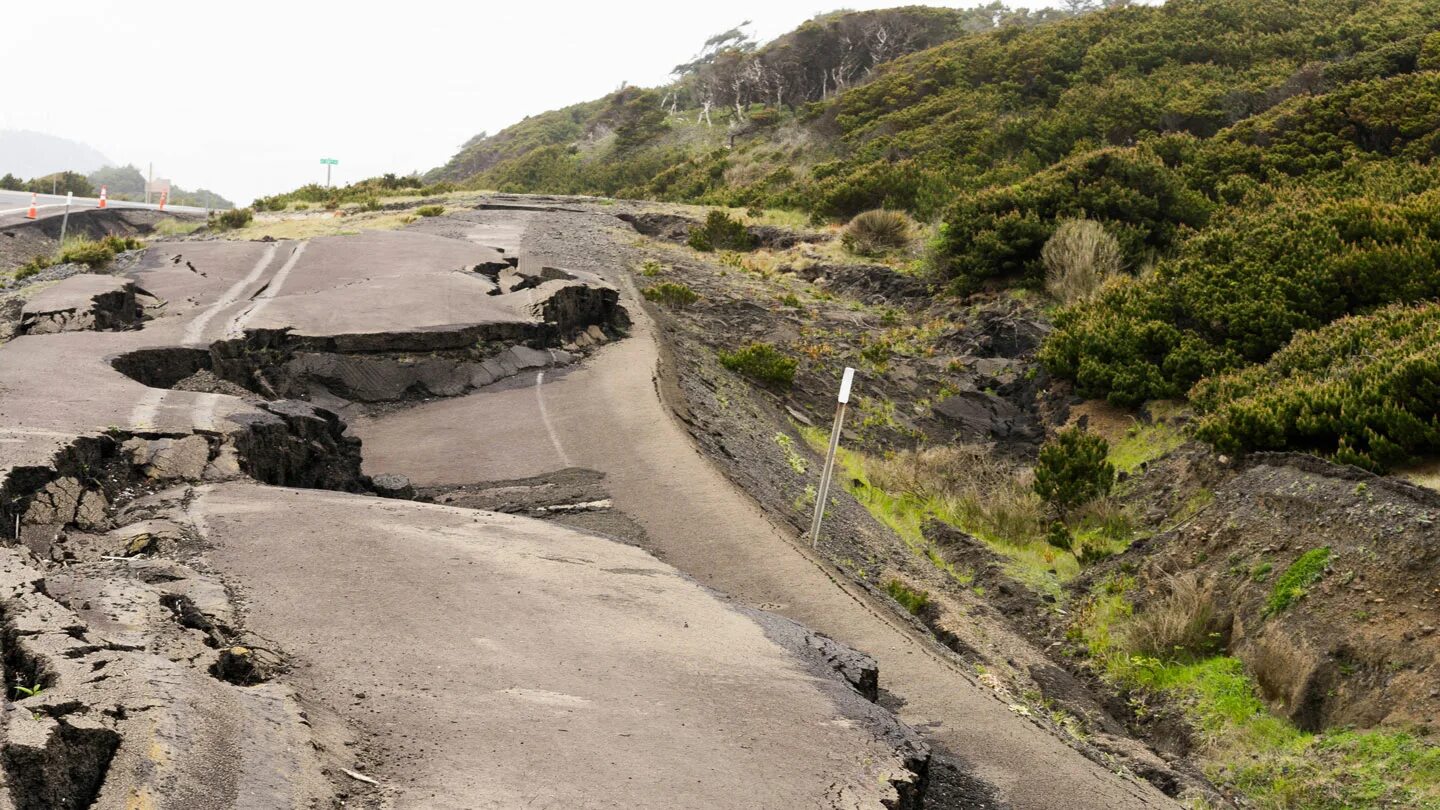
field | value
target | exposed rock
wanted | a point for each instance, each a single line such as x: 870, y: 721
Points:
x: 391, y: 485
x: 980, y: 415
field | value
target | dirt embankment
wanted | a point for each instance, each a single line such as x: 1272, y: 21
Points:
x: 1318, y: 578
x: 1321, y: 578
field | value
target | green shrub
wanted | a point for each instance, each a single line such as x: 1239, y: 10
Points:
x: 95, y: 253
x: 33, y: 267
x: 1364, y: 390
x: 1241, y: 289
x: 1292, y: 585
x: 913, y: 600
x: 763, y: 363
x: 1001, y: 232
x: 671, y: 294
x: 874, y: 233
x: 232, y: 219
x: 369, y: 204
x: 430, y: 210
x: 1072, y: 469
x: 720, y: 232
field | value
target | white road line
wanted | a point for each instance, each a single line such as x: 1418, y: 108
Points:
x: 237, y: 329
x: 545, y: 417
x: 195, y: 331
x: 148, y: 409
x: 202, y: 413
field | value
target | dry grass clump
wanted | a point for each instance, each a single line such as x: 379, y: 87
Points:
x: 1180, y: 625
x: 875, y: 233
x: 981, y: 491
x: 1079, y: 258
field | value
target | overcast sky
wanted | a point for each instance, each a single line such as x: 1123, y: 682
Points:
x: 246, y: 96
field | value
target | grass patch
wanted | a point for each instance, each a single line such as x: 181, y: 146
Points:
x: 792, y: 456
x: 672, y: 294
x: 1243, y: 747
x: 177, y: 227
x: 1293, y: 584
x: 1143, y: 443
x: 231, y: 220
x: 990, y: 501
x: 430, y: 210
x: 912, y: 599
x: 763, y: 363
x: 318, y: 225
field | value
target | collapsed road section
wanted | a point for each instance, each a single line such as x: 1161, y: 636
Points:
x: 203, y: 603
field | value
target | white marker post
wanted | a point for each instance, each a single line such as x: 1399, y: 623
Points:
x: 823, y: 493
x: 65, y: 222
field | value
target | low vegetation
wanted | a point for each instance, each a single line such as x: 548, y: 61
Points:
x: 92, y: 253
x: 912, y: 599
x: 763, y: 363
x: 231, y: 220
x: 430, y: 210
x: 359, y: 192
x: 1290, y: 587
x: 672, y: 294
x: 721, y: 232
x: 875, y: 233
x: 1167, y: 648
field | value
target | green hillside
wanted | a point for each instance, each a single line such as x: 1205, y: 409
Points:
x: 1265, y: 167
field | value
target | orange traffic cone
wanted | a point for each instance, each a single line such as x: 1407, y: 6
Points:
x: 163, y: 195
x: 103, y: 199
x: 32, y: 213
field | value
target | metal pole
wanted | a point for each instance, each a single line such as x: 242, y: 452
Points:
x: 149, y: 182
x: 65, y: 222
x: 822, y: 494
x: 327, y: 174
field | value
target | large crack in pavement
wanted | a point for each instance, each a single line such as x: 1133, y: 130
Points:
x: 176, y: 633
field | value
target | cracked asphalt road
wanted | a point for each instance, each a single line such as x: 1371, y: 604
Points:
x: 607, y: 415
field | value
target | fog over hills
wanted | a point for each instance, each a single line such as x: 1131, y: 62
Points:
x: 25, y: 153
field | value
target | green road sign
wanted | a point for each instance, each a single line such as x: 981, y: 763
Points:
x: 330, y: 161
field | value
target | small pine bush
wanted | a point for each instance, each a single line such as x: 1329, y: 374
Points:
x: 1073, y: 470
x: 671, y: 294
x: 231, y: 219
x: 763, y: 363
x: 720, y: 232
x: 874, y: 233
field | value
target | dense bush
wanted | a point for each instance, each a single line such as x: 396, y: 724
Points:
x: 1002, y: 232
x: 720, y: 232
x: 874, y: 233
x: 1364, y: 390
x: 763, y: 363
x: 671, y: 294
x: 1079, y: 259
x: 1238, y: 291
x: 1072, y: 469
x: 231, y: 219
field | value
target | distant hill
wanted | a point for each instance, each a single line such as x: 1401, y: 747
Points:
x: 33, y: 154
x: 733, y: 91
